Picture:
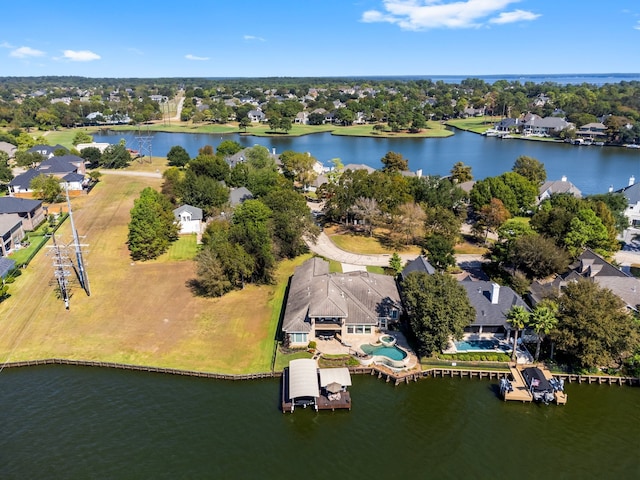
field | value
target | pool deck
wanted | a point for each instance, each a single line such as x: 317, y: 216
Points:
x: 350, y: 345
x: 522, y: 355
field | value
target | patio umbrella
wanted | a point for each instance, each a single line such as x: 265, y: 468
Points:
x: 334, y: 387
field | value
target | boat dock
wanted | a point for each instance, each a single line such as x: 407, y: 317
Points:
x: 516, y: 387
x: 306, y: 385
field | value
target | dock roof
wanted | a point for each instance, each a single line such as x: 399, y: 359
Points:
x: 303, y: 378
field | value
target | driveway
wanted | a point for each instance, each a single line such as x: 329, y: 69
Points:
x: 327, y: 249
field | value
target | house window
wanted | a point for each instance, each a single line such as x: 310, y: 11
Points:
x: 383, y: 323
x: 367, y: 329
x: 394, y: 314
x: 359, y: 329
x: 350, y: 329
x: 298, y: 337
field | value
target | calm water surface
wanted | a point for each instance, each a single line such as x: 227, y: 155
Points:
x: 592, y: 169
x: 70, y: 422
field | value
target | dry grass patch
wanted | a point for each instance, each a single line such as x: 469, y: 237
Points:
x: 142, y: 313
x: 364, y: 244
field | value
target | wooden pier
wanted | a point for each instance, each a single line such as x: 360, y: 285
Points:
x: 520, y: 390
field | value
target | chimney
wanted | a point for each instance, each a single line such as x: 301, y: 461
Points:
x: 419, y: 173
x: 564, y: 178
x: 273, y: 151
x: 610, y: 188
x: 495, y: 293
x: 632, y: 180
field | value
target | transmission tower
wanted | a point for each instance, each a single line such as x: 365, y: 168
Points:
x: 81, y: 270
x: 144, y: 145
x: 62, y: 270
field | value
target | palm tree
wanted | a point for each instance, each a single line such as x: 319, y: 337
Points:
x: 518, y: 318
x: 543, y: 321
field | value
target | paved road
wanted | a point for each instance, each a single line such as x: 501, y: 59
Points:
x: 131, y: 173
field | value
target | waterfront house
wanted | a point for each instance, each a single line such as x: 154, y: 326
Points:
x: 595, y: 131
x: 326, y: 304
x: 632, y: 212
x: 591, y: 266
x: 189, y: 218
x: 551, y: 187
x: 492, y: 303
x: 544, y: 126
x: 256, y: 116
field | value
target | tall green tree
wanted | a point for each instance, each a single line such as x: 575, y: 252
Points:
x: 116, y: 156
x: 461, y: 173
x: 394, y: 162
x: 152, y: 227
x: 518, y: 318
x: 178, y: 156
x: 252, y: 227
x: 543, y: 321
x: 438, y: 309
x: 530, y: 168
x: 46, y: 188
x: 594, y: 328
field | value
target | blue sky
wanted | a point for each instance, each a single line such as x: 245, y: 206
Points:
x: 251, y: 38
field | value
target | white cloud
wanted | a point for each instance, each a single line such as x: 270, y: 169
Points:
x: 24, y: 52
x: 6, y: 45
x: 193, y: 57
x: 637, y: 26
x: 515, y: 16
x: 80, y: 55
x: 137, y: 51
x: 431, y: 14
x: 253, y: 37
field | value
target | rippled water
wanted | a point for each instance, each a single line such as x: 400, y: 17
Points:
x: 592, y: 169
x: 71, y: 422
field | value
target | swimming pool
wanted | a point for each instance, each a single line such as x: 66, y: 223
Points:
x: 393, y: 352
x: 481, y: 346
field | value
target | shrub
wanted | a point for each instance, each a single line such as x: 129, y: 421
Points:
x: 312, y: 345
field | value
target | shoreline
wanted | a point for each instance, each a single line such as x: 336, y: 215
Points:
x: 435, y: 372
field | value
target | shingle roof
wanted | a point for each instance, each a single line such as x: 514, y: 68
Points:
x: 239, y: 195
x: 196, y: 213
x: 419, y: 264
x: 24, y: 179
x: 488, y: 313
x: 359, y: 297
x: 6, y: 265
x: 18, y: 205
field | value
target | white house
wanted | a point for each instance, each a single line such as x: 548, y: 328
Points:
x: 189, y: 218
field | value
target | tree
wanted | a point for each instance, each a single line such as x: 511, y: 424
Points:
x: 394, y: 162
x: 444, y: 222
x: 438, y: 309
x: 518, y: 318
x: 152, y: 227
x: 292, y: 222
x: 115, y: 156
x: 408, y: 221
x: 537, y: 255
x: 531, y: 169
x: 366, y: 209
x: 587, y: 230
x: 440, y: 251
x: 81, y: 137
x: 253, y: 229
x: 492, y: 216
x: 298, y: 167
x: 395, y: 263
x: 244, y: 123
x: 461, y: 173
x: 92, y: 155
x: 543, y: 321
x: 202, y: 191
x: 46, y: 188
x: 226, y: 148
x: 5, y: 171
x: 177, y: 156
x: 28, y: 159
x: 594, y: 328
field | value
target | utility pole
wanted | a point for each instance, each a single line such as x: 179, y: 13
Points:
x: 82, y: 273
x: 62, y: 270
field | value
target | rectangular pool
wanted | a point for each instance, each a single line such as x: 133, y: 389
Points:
x: 482, y: 346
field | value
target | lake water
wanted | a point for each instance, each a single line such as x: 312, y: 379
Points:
x: 81, y: 423
x: 592, y: 169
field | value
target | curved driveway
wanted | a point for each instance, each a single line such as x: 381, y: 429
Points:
x: 326, y: 248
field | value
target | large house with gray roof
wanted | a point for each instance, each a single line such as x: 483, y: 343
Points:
x: 69, y: 169
x: 632, y: 212
x: 492, y: 303
x: 322, y: 304
x: 551, y: 187
x: 591, y: 266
